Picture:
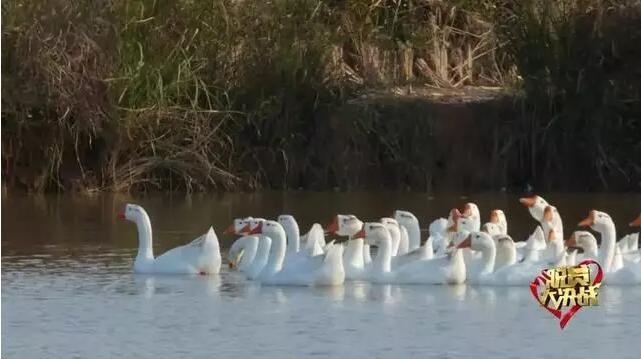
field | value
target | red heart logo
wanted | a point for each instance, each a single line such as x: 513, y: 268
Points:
x: 544, y: 278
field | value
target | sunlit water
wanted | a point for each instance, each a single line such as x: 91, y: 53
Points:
x: 68, y: 290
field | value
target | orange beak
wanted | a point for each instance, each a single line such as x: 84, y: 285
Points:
x: 589, y: 221
x: 121, y: 215
x: 467, y: 210
x: 257, y: 230
x: 332, y: 228
x: 230, y: 230
x: 528, y: 201
x: 245, y: 230
x: 636, y: 222
x: 494, y: 217
x: 360, y: 234
x: 571, y: 242
x: 467, y: 242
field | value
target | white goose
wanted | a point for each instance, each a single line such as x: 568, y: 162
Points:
x: 201, y: 256
x: 262, y: 251
x: 319, y: 270
x: 314, y: 240
x: 482, y: 270
x: 353, y: 255
x: 242, y: 252
x: 520, y: 273
x: 438, y: 233
x: 536, y: 206
x: 609, y: 255
x: 292, y: 231
x: 409, y: 221
x: 446, y: 270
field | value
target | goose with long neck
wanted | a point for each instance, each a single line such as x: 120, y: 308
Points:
x: 610, y: 260
x: 536, y: 205
x: 438, y: 233
x: 201, y: 256
x: 465, y: 225
x: 292, y: 232
x: 293, y: 253
x: 262, y: 251
x: 482, y: 242
x: 410, y: 222
x: 602, y: 223
x: 319, y: 270
x: 353, y: 255
x: 395, y: 233
x: 242, y: 252
x: 377, y: 234
x: 347, y: 225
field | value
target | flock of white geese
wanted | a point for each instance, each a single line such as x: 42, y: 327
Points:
x: 459, y: 249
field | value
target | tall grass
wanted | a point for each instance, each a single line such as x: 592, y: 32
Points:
x: 581, y: 68
x: 228, y: 94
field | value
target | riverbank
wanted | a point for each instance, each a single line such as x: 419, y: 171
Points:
x: 241, y: 95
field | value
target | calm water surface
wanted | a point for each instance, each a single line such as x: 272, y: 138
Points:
x: 68, y: 290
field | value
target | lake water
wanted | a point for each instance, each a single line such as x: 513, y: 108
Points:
x: 68, y: 290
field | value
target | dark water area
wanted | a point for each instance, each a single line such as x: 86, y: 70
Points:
x: 68, y: 289
x: 32, y: 224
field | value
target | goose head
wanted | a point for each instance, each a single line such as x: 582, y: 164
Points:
x: 344, y: 225
x: 462, y: 224
x: 133, y: 213
x: 598, y: 221
x: 251, y: 224
x: 536, y: 206
x: 492, y: 229
x: 405, y: 218
x: 288, y: 221
x: 504, y: 243
x: 478, y: 241
x: 636, y: 222
x: 582, y: 239
x: 497, y: 216
x: 373, y: 233
x: 267, y: 227
x: 237, y: 226
x: 470, y: 210
x: 387, y: 221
